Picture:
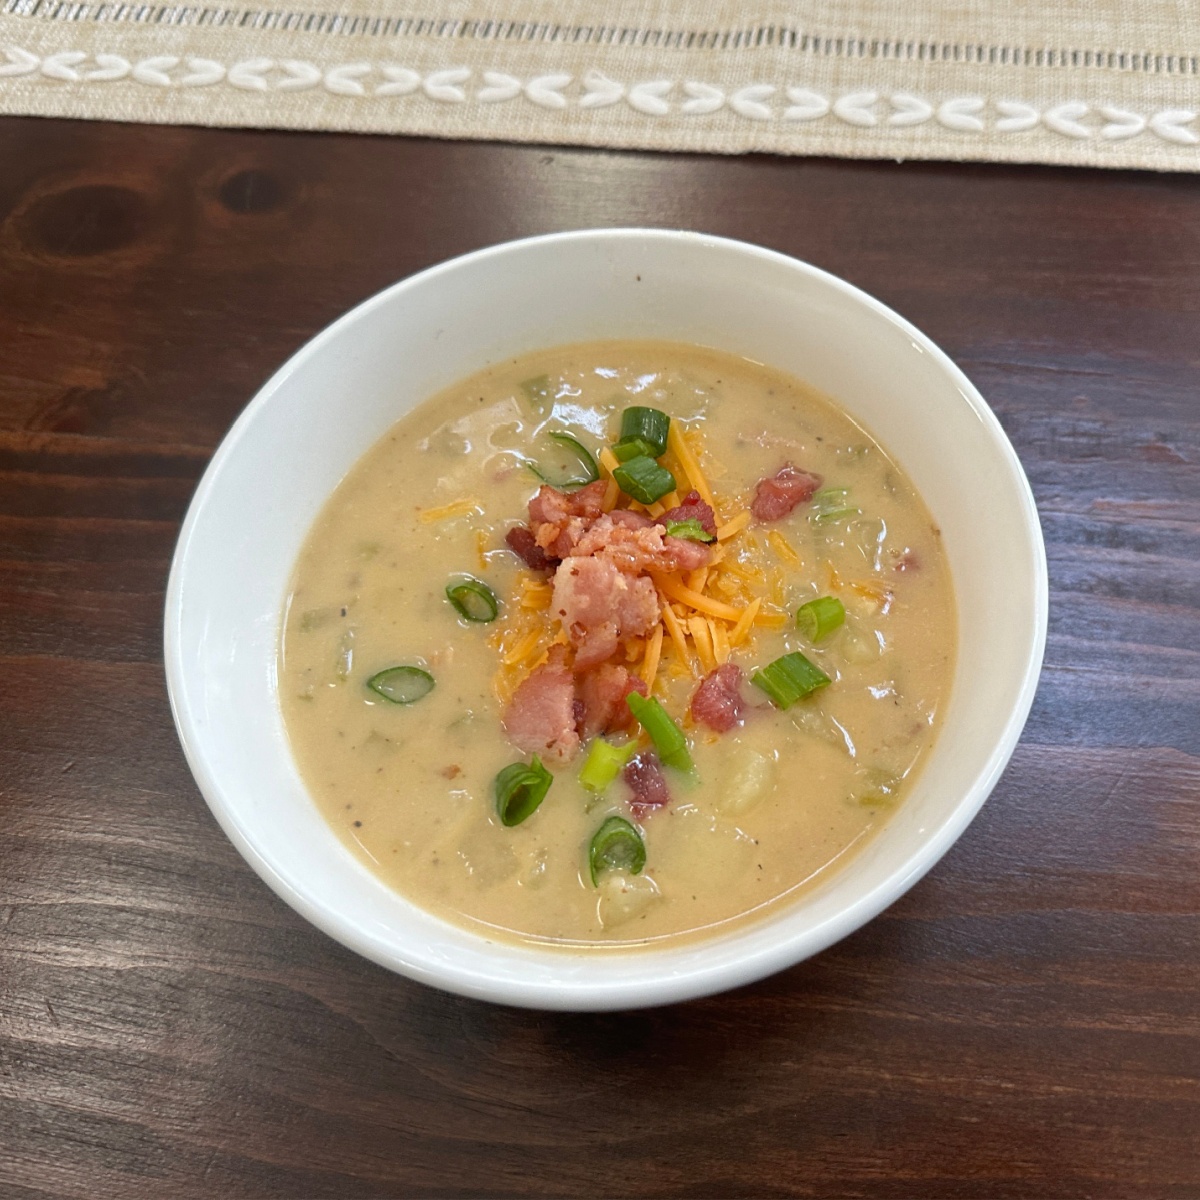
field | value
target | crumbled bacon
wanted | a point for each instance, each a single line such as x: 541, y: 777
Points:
x: 541, y: 718
x: 560, y: 519
x: 685, y: 555
x: 693, y: 508
x: 552, y: 505
x: 637, y: 548
x: 602, y: 691
x: 718, y: 700
x: 778, y: 494
x: 599, y: 606
x: 909, y: 561
x: 629, y: 518
x: 523, y: 544
x: 603, y: 596
x: 644, y: 775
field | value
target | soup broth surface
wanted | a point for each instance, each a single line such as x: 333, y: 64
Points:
x: 771, y: 805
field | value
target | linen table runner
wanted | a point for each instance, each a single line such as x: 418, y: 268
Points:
x: 1096, y: 84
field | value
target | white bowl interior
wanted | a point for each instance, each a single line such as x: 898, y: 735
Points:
x: 313, y: 420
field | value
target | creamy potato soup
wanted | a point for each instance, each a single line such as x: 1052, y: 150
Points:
x: 616, y: 642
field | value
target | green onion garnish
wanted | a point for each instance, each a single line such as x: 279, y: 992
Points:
x: 540, y: 393
x: 789, y: 679
x: 604, y: 763
x: 519, y: 789
x: 401, y: 685
x: 691, y: 529
x: 473, y: 600
x: 833, y: 504
x: 667, y: 737
x: 572, y: 467
x: 648, y: 424
x: 819, y: 618
x: 616, y: 846
x: 644, y: 480
x: 628, y: 448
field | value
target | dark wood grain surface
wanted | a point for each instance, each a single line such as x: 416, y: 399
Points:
x: 1025, y: 1022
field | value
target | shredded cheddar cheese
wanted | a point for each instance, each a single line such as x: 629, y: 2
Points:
x: 771, y: 620
x: 612, y: 491
x: 742, y: 628
x: 687, y: 461
x: 678, y: 637
x: 535, y: 595
x: 777, y: 585
x: 652, y: 657
x: 735, y: 525
x: 702, y: 640
x: 523, y: 649
x: 457, y: 508
x: 672, y: 588
x: 720, y: 641
x: 783, y: 548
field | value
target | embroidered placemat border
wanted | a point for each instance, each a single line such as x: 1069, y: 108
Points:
x: 767, y: 87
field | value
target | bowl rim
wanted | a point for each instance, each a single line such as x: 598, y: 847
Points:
x: 672, y: 985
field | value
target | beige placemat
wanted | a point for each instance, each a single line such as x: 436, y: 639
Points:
x: 1096, y: 84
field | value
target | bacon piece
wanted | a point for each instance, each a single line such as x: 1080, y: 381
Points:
x: 685, y: 555
x: 718, y: 700
x: 552, y: 505
x: 540, y: 718
x: 637, y: 548
x: 644, y: 775
x: 909, y: 561
x: 523, y: 544
x: 693, y: 508
x: 778, y: 494
x: 603, y: 690
x: 599, y: 606
x: 630, y: 519
x: 560, y: 519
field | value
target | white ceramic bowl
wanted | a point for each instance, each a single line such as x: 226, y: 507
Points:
x: 325, y: 407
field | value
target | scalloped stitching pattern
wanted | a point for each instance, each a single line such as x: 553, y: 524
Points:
x: 758, y: 102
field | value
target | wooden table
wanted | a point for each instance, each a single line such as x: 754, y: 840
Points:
x: 1025, y: 1022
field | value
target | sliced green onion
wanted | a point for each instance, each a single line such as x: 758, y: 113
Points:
x: 644, y: 480
x: 691, y: 529
x: 616, y: 846
x: 573, y: 467
x: 604, y: 763
x: 473, y: 599
x: 789, y: 679
x: 519, y: 789
x: 649, y: 424
x: 833, y: 504
x: 628, y: 448
x: 539, y: 391
x: 667, y: 737
x: 401, y: 685
x: 820, y: 617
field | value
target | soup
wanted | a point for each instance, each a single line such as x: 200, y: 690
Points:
x: 616, y: 642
